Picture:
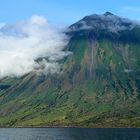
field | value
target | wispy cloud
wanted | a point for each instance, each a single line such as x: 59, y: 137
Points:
x: 30, y: 45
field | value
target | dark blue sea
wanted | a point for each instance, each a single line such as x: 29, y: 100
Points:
x: 68, y: 134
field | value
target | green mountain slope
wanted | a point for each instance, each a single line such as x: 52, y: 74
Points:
x: 99, y: 86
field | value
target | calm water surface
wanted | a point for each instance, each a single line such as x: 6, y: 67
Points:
x: 68, y: 134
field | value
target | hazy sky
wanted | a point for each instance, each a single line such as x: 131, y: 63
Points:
x: 66, y: 11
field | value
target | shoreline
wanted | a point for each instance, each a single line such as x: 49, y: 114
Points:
x: 74, y: 127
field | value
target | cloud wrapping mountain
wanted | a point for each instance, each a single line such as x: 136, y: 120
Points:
x: 31, y: 45
x: 107, y: 21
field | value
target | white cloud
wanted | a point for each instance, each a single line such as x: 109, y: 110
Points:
x: 24, y: 42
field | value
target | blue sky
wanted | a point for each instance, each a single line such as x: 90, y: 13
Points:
x: 66, y: 11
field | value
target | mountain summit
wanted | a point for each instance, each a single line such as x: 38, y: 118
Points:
x: 106, y: 21
x: 107, y: 13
